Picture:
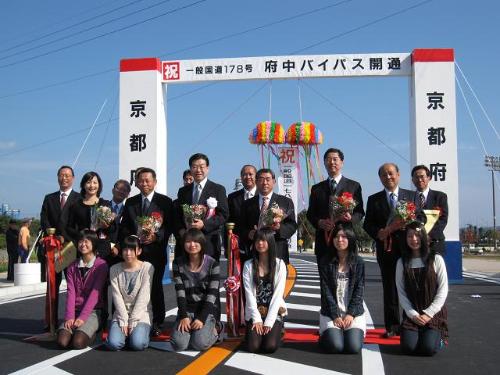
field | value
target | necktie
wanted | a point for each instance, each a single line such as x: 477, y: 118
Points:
x: 265, y: 204
x: 197, y: 193
x: 63, y: 200
x: 394, y: 200
x: 422, y: 200
x: 145, y: 206
x: 115, y: 209
x: 333, y: 186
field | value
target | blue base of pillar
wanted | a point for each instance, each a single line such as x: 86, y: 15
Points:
x: 166, y: 275
x: 453, y: 260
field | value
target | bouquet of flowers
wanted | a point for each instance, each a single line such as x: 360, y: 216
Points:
x: 105, y: 215
x: 193, y: 212
x: 149, y: 225
x: 338, y: 205
x: 273, y: 214
x: 404, y: 213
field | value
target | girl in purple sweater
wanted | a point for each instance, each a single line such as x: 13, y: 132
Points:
x: 86, y: 279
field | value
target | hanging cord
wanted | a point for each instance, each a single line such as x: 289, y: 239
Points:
x: 475, y: 124
x: 106, y: 129
x: 270, y: 100
x: 355, y: 121
x: 478, y: 102
x: 88, y: 134
x: 300, y: 100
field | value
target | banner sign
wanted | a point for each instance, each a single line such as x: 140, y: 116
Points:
x: 281, y: 67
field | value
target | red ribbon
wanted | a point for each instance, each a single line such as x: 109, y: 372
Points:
x: 234, y: 296
x: 51, y: 244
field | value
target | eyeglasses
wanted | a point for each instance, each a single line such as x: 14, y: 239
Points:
x: 200, y: 167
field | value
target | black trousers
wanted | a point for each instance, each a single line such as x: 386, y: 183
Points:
x: 387, y: 264
x: 13, y: 259
x: 157, y: 296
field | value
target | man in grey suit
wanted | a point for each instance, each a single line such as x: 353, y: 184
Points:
x: 336, y: 184
x: 379, y: 212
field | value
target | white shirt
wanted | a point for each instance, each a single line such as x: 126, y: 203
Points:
x: 149, y: 197
x: 388, y: 195
x: 425, y: 193
x: 249, y: 193
x: 201, y: 183
x: 67, y: 192
x: 262, y: 200
x: 337, y: 179
x: 442, y: 290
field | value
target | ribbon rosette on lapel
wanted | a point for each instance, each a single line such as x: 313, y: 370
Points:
x: 212, y: 205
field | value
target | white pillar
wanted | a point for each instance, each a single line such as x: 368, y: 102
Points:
x: 143, y: 127
x: 433, y: 136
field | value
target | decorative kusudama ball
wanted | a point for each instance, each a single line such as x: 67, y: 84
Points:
x: 304, y: 133
x: 267, y: 132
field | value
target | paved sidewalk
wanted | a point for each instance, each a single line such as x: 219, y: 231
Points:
x: 9, y: 291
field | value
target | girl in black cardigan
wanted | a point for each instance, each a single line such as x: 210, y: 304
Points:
x: 342, y: 322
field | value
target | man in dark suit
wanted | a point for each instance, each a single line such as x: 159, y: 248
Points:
x: 54, y: 208
x: 235, y: 200
x: 318, y: 212
x: 427, y: 199
x: 153, y: 244
x: 252, y: 208
x: 379, y: 212
x: 200, y: 192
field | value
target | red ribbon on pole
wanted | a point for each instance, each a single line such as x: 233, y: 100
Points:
x: 234, y: 297
x: 51, y: 244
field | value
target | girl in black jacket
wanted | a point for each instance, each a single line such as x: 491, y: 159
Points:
x: 342, y: 322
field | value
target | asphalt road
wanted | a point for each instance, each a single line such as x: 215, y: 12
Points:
x: 473, y: 319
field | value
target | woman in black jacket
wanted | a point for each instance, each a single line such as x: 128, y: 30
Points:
x: 342, y: 322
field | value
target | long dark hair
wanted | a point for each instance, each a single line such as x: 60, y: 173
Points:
x: 86, y: 178
x: 425, y: 253
x: 196, y: 235
x: 87, y: 234
x: 352, y: 245
x: 131, y: 242
x: 266, y: 235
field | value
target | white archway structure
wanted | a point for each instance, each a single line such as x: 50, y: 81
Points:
x: 433, y: 135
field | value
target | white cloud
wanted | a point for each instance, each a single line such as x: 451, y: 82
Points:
x: 7, y: 145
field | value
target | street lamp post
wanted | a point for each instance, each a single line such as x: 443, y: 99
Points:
x: 493, y: 164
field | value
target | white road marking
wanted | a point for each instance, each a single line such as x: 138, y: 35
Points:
x: 370, y: 353
x: 310, y: 295
x: 480, y: 277
x: 296, y: 306
x: 306, y: 286
x: 302, y: 280
x: 261, y: 364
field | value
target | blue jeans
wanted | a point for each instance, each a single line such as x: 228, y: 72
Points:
x: 425, y: 341
x: 138, y: 339
x: 23, y: 254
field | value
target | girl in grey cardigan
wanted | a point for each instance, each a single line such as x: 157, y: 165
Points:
x: 131, y: 287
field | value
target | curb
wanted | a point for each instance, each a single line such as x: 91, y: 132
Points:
x: 32, y: 289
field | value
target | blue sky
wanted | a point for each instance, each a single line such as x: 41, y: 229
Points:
x: 43, y: 119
